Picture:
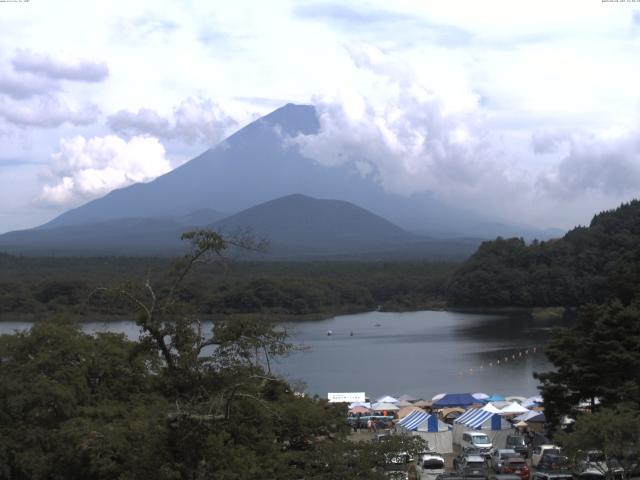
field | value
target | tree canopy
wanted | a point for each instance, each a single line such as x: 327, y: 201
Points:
x: 588, y: 265
x: 178, y: 403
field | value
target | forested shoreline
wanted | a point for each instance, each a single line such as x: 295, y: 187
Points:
x: 34, y: 287
x: 588, y: 265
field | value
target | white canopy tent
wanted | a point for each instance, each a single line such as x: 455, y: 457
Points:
x: 387, y: 399
x: 525, y: 417
x: 477, y: 419
x: 490, y: 407
x: 383, y: 406
x: 514, y: 408
x: 437, y: 433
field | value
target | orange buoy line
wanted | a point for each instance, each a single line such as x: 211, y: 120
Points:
x: 501, y: 361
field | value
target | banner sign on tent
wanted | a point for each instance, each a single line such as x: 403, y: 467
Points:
x: 348, y: 397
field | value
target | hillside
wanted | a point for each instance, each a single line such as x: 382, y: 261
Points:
x: 589, y: 264
x: 322, y: 226
x: 135, y: 236
x: 296, y: 226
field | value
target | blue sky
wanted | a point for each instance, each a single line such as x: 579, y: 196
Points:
x: 528, y: 110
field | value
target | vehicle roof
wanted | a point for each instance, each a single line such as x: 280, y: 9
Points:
x: 556, y: 474
x: 430, y: 455
x: 474, y: 458
x: 476, y: 434
x: 506, y: 450
x: 548, y: 445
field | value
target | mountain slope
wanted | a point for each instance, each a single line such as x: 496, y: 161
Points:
x: 146, y: 236
x: 258, y: 164
x: 297, y: 227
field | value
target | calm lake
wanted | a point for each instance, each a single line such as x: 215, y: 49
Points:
x: 419, y: 353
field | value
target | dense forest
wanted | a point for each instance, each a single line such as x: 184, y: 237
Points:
x: 33, y: 287
x: 588, y: 265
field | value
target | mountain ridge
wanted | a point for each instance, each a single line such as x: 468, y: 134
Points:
x: 297, y: 226
x: 256, y: 164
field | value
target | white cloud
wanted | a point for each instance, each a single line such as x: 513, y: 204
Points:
x: 83, y: 169
x: 193, y: 120
x: 59, y: 67
x: 46, y: 112
x: 24, y: 86
x: 409, y: 137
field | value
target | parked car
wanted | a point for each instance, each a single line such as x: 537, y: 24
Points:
x: 429, y: 465
x: 472, y: 466
x: 449, y: 476
x: 537, y: 452
x: 518, y: 443
x: 593, y: 462
x: 590, y: 474
x: 503, y: 476
x: 397, y: 472
x: 552, y: 476
x: 554, y: 461
x: 476, y: 440
x: 515, y: 466
x: 497, y: 457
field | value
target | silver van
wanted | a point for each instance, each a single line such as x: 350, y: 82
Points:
x: 476, y: 441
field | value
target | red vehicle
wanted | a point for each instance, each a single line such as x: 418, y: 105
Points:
x: 515, y: 466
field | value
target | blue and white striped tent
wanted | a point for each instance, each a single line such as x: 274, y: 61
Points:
x: 429, y: 427
x: 474, y: 419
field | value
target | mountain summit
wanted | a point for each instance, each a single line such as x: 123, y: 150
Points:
x: 258, y: 164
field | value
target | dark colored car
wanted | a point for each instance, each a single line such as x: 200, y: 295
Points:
x: 515, y: 466
x: 449, y: 476
x: 503, y: 476
x: 554, y: 461
x: 518, y: 443
x: 552, y: 476
x: 472, y: 466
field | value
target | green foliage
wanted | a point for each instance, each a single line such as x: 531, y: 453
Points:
x: 178, y: 403
x: 295, y: 289
x: 587, y: 265
x: 597, y: 359
x: 613, y: 431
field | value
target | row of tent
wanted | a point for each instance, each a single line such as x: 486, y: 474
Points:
x: 464, y: 400
x: 509, y: 409
x: 442, y: 436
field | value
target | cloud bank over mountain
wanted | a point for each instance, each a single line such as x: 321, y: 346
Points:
x: 488, y: 105
x: 193, y: 121
x: 83, y: 169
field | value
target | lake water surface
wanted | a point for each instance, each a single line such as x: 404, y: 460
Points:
x: 419, y: 353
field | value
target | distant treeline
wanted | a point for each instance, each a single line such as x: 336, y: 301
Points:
x: 31, y: 287
x: 588, y: 265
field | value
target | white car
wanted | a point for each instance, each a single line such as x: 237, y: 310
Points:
x: 476, y: 441
x: 536, y: 453
x: 429, y: 466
